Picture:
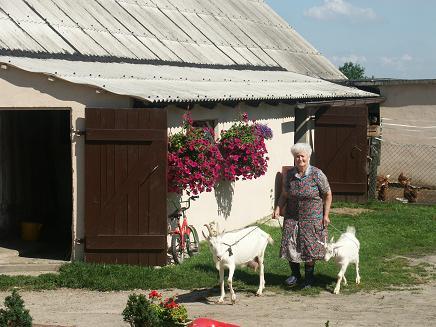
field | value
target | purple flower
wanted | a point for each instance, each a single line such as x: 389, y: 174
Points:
x: 264, y: 131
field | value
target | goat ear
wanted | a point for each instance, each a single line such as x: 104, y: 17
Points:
x: 204, y: 235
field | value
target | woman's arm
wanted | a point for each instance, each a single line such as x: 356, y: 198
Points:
x: 327, y: 199
x: 280, y: 203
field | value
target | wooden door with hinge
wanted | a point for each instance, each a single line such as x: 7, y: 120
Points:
x: 125, y: 185
x: 341, y: 150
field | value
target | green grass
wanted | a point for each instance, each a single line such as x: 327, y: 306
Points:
x: 387, y: 233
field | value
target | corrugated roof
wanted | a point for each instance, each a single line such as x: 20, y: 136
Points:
x: 233, y: 33
x: 166, y: 83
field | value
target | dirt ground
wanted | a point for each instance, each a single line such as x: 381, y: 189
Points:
x: 417, y: 307
x: 412, y: 307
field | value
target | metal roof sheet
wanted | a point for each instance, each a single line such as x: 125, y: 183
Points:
x: 237, y: 33
x: 165, y: 83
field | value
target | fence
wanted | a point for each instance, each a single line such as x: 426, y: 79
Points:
x: 415, y: 161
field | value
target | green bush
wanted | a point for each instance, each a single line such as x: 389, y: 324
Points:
x: 15, y: 314
x: 153, y: 311
x: 140, y: 312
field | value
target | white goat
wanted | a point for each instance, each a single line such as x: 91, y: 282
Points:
x: 243, y: 247
x: 345, y: 251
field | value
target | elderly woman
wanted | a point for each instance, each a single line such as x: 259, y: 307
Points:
x: 307, y: 197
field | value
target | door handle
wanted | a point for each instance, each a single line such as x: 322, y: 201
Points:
x: 356, y: 147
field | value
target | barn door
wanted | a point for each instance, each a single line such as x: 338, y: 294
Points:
x: 125, y: 172
x: 341, y: 150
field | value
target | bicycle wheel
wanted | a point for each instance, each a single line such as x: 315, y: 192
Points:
x: 177, y: 249
x: 193, y: 244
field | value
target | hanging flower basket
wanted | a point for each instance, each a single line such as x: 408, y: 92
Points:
x: 244, y: 151
x: 194, y: 161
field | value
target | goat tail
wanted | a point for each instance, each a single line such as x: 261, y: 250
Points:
x: 351, y: 229
x: 270, y: 240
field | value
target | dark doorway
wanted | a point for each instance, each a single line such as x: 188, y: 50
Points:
x: 36, y: 183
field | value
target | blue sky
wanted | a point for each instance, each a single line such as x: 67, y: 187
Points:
x: 390, y: 38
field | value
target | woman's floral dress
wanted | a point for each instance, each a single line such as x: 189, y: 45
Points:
x: 303, y: 220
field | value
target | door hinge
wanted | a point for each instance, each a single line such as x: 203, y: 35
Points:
x: 79, y: 133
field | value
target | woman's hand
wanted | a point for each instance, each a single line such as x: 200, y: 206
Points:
x: 326, y: 220
x: 276, y: 213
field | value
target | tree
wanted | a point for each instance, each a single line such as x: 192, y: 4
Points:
x: 353, y: 70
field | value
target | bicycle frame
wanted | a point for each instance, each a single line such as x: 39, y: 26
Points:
x: 182, y: 230
x: 182, y: 223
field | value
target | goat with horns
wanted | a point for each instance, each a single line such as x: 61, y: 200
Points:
x: 243, y: 247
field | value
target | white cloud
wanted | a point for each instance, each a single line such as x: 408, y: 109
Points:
x: 332, y: 9
x: 397, y: 62
x: 339, y: 60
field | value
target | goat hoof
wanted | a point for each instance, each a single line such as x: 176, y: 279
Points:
x: 336, y: 291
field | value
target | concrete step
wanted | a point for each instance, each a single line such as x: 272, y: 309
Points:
x: 6, y: 253
x: 29, y: 268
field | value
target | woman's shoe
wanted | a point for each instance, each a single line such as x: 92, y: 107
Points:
x: 296, y: 276
x: 307, y: 285
x: 291, y: 280
x: 308, y: 276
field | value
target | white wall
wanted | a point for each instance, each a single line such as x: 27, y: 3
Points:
x: 241, y: 203
x: 409, y: 132
x: 409, y: 113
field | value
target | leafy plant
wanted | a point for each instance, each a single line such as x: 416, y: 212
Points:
x: 194, y: 161
x: 172, y: 312
x: 142, y: 311
x: 15, y: 314
x: 244, y: 151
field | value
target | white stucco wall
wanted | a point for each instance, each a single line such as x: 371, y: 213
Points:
x: 409, y: 132
x: 233, y: 205
x: 409, y: 113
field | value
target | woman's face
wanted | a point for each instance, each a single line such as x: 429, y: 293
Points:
x: 301, y: 161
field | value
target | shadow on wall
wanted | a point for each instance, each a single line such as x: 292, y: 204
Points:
x: 224, y: 191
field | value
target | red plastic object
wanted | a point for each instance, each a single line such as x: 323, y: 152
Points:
x: 206, y: 322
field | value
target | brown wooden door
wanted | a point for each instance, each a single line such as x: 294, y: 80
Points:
x: 125, y: 185
x: 341, y: 150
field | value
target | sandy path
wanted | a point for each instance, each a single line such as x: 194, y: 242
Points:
x: 68, y: 307
x: 415, y: 307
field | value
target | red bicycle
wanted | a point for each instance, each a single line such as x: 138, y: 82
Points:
x: 184, y: 237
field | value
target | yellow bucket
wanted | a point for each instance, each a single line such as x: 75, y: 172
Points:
x: 30, y: 231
